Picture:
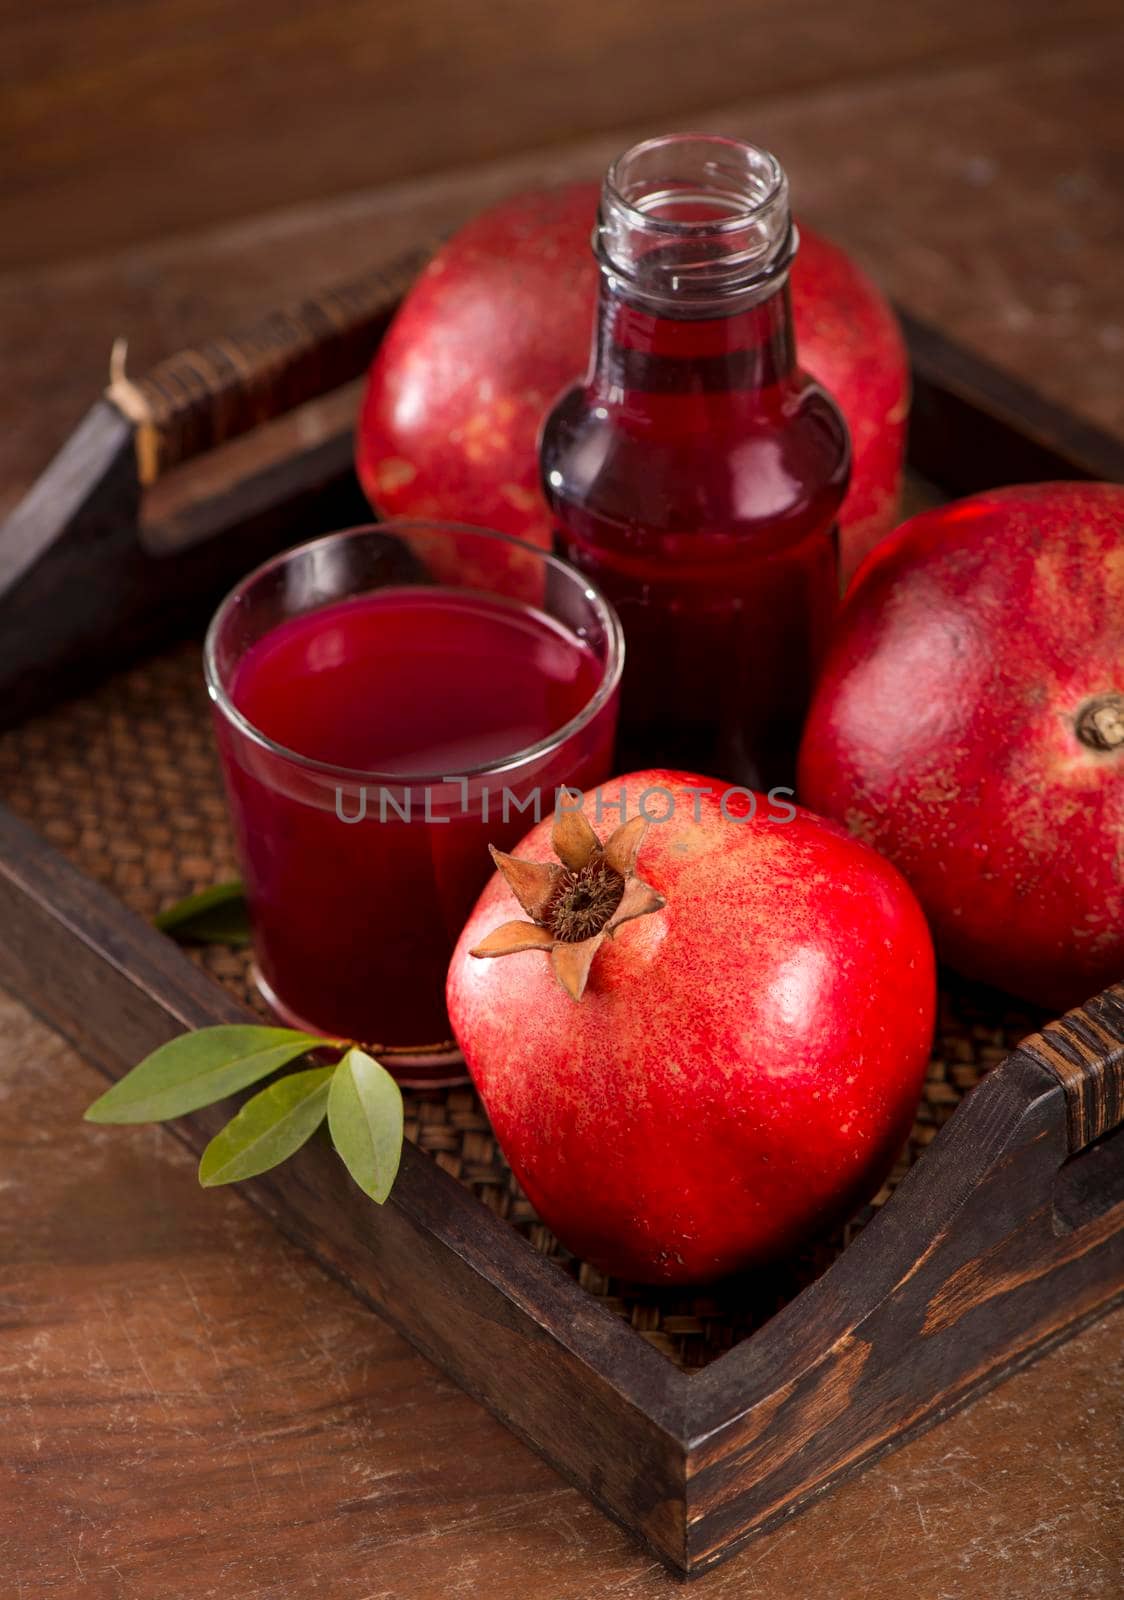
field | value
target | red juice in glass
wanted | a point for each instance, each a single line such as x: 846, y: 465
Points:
x: 376, y: 736
x: 696, y: 475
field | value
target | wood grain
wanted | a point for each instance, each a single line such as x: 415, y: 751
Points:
x: 188, y: 1405
x: 972, y: 1249
x: 191, y: 1408
x: 90, y: 572
x: 465, y: 1288
x: 937, y: 181
x: 104, y: 594
x: 1085, y: 1051
x: 202, y: 398
x: 871, y: 1353
x: 969, y: 1269
x: 112, y: 132
x: 87, y: 584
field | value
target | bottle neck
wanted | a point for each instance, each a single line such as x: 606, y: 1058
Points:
x: 640, y: 349
x: 694, y: 239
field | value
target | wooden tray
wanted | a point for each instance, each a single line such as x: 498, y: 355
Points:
x: 696, y: 1420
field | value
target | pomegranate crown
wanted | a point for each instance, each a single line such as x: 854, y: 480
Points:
x: 576, y: 903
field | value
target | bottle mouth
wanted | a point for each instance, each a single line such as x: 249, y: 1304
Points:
x: 692, y: 218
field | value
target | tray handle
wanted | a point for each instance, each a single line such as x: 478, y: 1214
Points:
x: 1085, y: 1051
x: 202, y: 397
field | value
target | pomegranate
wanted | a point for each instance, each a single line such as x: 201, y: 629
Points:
x: 499, y: 323
x: 696, y: 1060
x: 496, y: 325
x: 848, y: 338
x: 969, y: 724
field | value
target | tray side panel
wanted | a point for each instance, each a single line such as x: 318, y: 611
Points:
x: 461, y: 1285
x: 1024, y: 1254
x: 973, y: 426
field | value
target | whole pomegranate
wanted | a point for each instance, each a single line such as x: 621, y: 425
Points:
x: 969, y: 724
x: 499, y: 323
x: 694, y: 1060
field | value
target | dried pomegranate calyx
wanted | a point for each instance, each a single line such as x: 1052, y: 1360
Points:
x: 577, y: 904
x: 582, y: 902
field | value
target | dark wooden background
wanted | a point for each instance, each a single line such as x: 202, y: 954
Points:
x: 166, y: 170
x: 121, y: 121
x: 188, y: 1408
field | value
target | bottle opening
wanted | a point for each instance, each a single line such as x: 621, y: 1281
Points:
x: 694, y: 218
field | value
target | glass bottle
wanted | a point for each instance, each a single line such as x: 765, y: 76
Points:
x: 697, y: 473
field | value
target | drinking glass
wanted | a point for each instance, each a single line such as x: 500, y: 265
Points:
x: 363, y: 843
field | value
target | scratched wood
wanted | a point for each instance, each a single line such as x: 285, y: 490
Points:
x: 993, y: 1246
x: 112, y: 133
x: 142, y: 1481
x: 201, y: 398
x: 985, y: 1232
x: 192, y: 1408
x: 995, y: 1229
x: 1086, y: 1052
x: 457, y: 1281
x: 984, y: 196
x: 92, y: 573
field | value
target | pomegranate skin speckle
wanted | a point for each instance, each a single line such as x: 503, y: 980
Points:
x: 499, y: 323
x: 969, y: 724
x: 745, y: 1063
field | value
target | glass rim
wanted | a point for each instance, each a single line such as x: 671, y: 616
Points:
x: 735, y: 220
x: 219, y: 696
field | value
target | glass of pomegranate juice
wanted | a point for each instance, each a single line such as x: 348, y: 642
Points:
x: 387, y: 702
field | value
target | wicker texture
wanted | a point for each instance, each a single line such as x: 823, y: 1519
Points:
x: 125, y: 782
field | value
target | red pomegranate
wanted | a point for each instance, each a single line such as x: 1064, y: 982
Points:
x: 499, y: 323
x: 744, y: 1063
x: 970, y: 725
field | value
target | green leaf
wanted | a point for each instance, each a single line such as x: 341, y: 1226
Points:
x: 365, y: 1121
x: 197, y: 1069
x: 214, y: 916
x: 268, y: 1129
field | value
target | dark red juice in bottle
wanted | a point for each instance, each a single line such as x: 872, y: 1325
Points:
x: 697, y: 473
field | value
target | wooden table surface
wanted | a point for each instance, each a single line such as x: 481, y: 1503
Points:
x: 193, y: 1410
x: 190, y: 1408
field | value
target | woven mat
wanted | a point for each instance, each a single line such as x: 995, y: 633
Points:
x: 125, y: 783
